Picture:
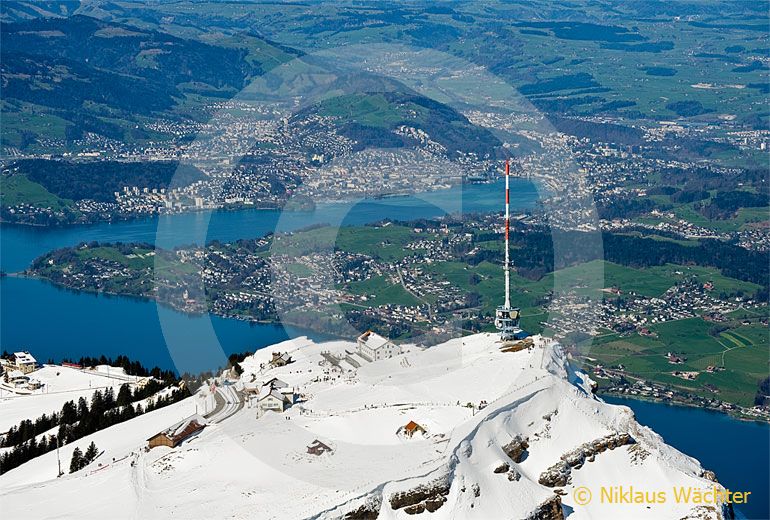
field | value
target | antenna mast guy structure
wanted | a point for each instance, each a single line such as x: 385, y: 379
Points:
x: 507, y: 317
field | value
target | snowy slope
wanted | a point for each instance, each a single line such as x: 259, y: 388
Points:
x: 59, y: 385
x: 466, y: 465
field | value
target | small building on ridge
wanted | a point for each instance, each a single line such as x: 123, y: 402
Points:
x: 24, y: 362
x: 374, y: 347
x: 178, y: 433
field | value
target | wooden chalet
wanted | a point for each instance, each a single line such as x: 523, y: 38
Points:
x: 175, y: 435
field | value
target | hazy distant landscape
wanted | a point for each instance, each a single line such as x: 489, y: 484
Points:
x: 181, y: 180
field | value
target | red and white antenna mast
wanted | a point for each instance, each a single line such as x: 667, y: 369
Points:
x: 506, y: 317
x: 507, y: 266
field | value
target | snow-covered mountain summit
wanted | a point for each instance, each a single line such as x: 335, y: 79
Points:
x: 465, y: 429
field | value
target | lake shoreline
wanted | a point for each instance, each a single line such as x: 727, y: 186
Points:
x: 684, y: 404
x: 167, y: 305
x: 286, y: 206
x: 253, y: 321
x: 737, y: 451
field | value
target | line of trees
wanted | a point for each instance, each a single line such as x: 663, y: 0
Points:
x: 533, y: 256
x: 726, y: 204
x: 76, y: 421
x: 100, y: 180
x: 132, y: 368
x: 763, y: 393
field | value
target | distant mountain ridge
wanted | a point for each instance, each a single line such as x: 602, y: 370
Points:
x: 90, y: 48
x: 83, y: 74
x: 371, y: 108
x: 15, y: 11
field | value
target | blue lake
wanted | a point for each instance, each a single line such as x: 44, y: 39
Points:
x: 737, y: 451
x: 53, y: 323
x: 19, y: 245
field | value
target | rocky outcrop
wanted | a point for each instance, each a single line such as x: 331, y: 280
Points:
x: 503, y: 467
x: 727, y: 511
x: 556, y: 475
x: 549, y: 510
x: 428, y: 497
x: 638, y: 453
x: 709, y: 512
x: 559, y: 473
x: 517, y: 448
x: 366, y: 507
x: 369, y: 510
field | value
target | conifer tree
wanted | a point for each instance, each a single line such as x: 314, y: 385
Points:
x: 91, y: 452
x: 124, y: 395
x: 69, y: 414
x: 77, y: 460
x: 82, y: 408
x: 109, y: 398
x: 97, y: 402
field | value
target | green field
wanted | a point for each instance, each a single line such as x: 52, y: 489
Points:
x: 299, y: 270
x: 703, y: 275
x: 137, y: 259
x: 370, y: 110
x: 17, y: 189
x: 381, y: 291
x: 25, y: 118
x: 386, y: 243
x: 742, y: 351
x: 745, y: 217
x: 142, y: 261
x: 524, y: 293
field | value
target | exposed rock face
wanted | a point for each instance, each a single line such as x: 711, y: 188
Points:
x: 422, y: 498
x: 709, y: 512
x: 559, y: 473
x: 516, y: 448
x: 502, y: 468
x: 549, y: 510
x: 368, y: 511
x: 638, y: 453
x: 556, y: 475
x: 726, y: 509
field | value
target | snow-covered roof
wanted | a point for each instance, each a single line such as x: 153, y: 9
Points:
x: 275, y: 383
x: 283, y: 356
x: 24, y: 357
x: 182, y: 426
x: 317, y: 448
x: 373, y: 340
x: 251, y: 387
x: 268, y: 391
